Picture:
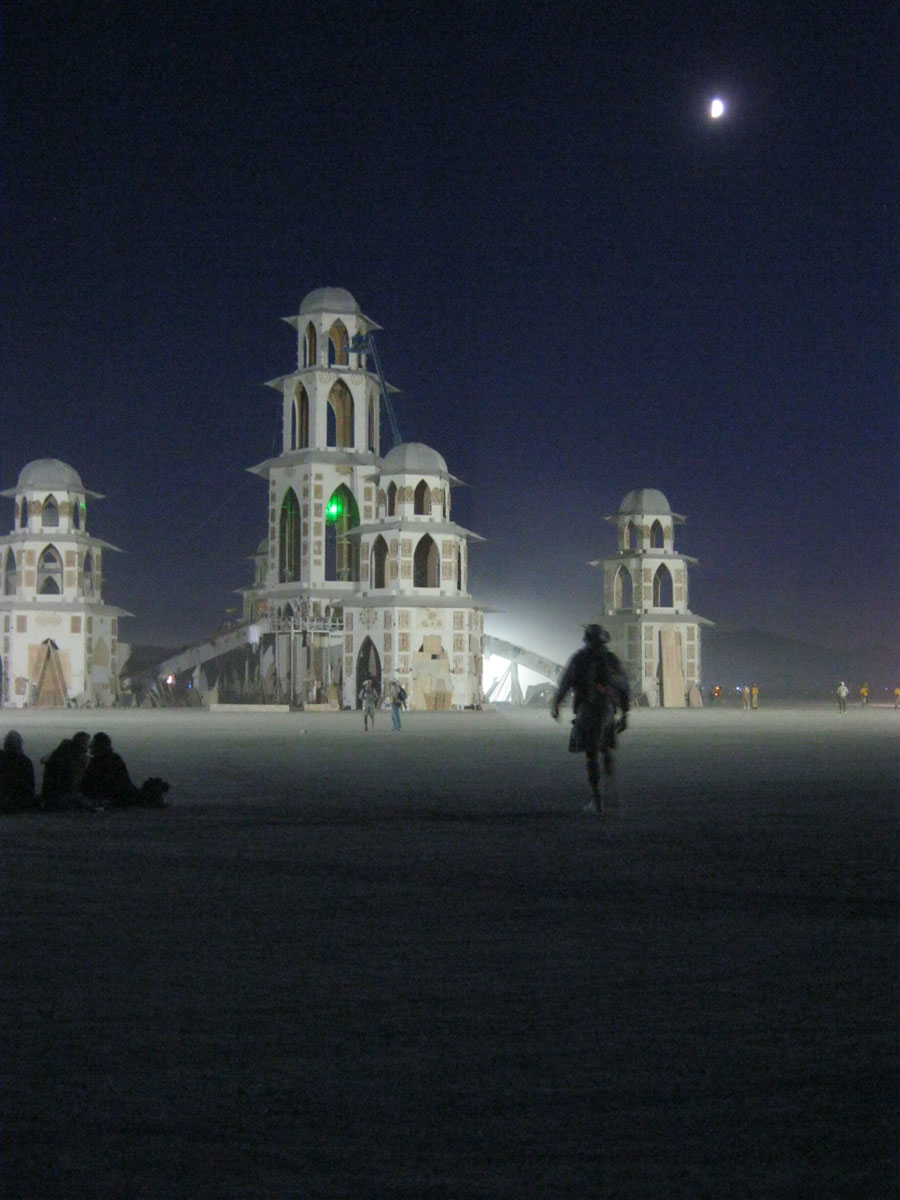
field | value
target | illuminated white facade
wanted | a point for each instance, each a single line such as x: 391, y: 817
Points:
x: 645, y: 601
x: 60, y: 639
x: 365, y: 573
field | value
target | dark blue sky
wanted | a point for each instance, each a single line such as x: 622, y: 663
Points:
x: 585, y: 284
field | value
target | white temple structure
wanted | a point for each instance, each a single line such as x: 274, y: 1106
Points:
x: 60, y: 640
x: 645, y: 602
x: 363, y: 572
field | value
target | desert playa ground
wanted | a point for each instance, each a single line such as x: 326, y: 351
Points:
x: 406, y: 965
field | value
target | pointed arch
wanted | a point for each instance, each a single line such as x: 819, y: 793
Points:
x: 368, y: 666
x: 623, y: 589
x: 370, y: 425
x: 662, y: 587
x: 50, y: 689
x: 422, y: 499
x: 310, y: 348
x: 338, y: 345
x: 49, y: 572
x: 630, y: 536
x: 300, y: 419
x: 88, y: 574
x: 379, y: 562
x: 656, y: 536
x: 289, y: 539
x: 340, y: 415
x: 341, y: 551
x: 9, y: 573
x: 23, y: 512
x: 50, y: 513
x: 426, y: 563
x: 392, y: 499
x: 76, y: 513
x: 459, y: 569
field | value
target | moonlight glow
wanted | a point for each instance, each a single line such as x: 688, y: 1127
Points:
x: 717, y: 109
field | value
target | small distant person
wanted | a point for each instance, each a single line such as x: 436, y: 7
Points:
x: 599, y: 689
x: 897, y: 697
x: 864, y: 695
x: 754, y: 696
x: 63, y: 772
x: 16, y: 776
x: 842, y: 693
x: 368, y: 699
x: 398, y: 699
x: 745, y: 697
x: 107, y: 783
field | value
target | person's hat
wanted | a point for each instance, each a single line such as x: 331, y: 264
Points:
x: 595, y: 635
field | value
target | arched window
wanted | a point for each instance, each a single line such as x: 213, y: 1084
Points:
x: 338, y: 345
x: 88, y: 572
x: 624, y: 589
x: 50, y: 514
x: 656, y: 535
x: 300, y: 419
x: 340, y: 415
x: 23, y: 512
x: 368, y: 666
x: 422, y: 499
x: 309, y: 346
x: 379, y: 563
x: 289, y: 539
x: 341, y: 551
x: 662, y: 587
x: 629, y: 537
x: 9, y: 574
x: 49, y: 572
x: 370, y: 425
x: 392, y: 499
x: 459, y: 560
x: 76, y: 513
x: 426, y: 564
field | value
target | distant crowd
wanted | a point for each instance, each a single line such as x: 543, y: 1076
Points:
x: 83, y: 774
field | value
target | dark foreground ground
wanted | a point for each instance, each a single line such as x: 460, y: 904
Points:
x: 407, y: 966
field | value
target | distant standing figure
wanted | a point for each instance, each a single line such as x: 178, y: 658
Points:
x: 16, y: 776
x: 754, y: 696
x: 745, y: 697
x: 842, y: 693
x: 897, y: 697
x: 63, y: 772
x: 864, y: 695
x: 599, y: 688
x: 398, y: 699
x: 368, y: 698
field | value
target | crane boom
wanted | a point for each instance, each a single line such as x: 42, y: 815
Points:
x: 364, y: 343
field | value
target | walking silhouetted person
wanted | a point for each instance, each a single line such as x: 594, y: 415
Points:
x: 599, y: 688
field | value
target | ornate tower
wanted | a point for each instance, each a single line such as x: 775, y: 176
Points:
x: 59, y: 637
x: 645, y: 601
x: 348, y: 535
x: 414, y: 619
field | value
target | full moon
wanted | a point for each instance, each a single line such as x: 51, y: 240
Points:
x: 717, y: 109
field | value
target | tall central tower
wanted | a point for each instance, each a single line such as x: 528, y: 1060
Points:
x: 364, y: 573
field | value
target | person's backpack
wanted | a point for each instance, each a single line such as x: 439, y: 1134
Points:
x: 401, y: 694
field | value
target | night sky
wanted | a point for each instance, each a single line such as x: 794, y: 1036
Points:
x: 585, y: 284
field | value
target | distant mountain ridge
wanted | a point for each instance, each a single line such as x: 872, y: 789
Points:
x: 788, y: 668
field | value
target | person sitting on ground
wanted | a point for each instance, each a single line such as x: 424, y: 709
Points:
x: 16, y: 776
x: 107, y: 782
x: 63, y: 772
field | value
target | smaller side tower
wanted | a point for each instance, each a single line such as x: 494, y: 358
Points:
x: 645, y: 601
x: 413, y: 618
x: 60, y: 640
